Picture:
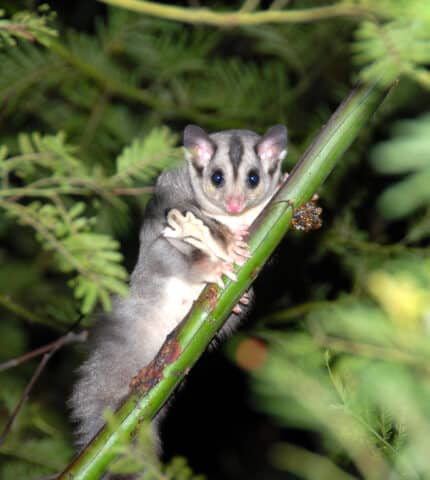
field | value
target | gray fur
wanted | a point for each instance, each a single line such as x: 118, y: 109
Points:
x: 129, y: 337
x: 212, y: 200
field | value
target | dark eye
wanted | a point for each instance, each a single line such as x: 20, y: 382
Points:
x: 217, y: 178
x: 253, y: 178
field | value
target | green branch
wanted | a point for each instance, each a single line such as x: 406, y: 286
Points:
x: 107, y: 188
x: 183, y: 347
x: 243, y: 16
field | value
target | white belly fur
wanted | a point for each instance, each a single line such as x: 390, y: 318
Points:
x: 179, y: 297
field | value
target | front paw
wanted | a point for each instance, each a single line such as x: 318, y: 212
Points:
x: 189, y: 229
x: 237, y: 248
x: 227, y: 246
x: 218, y: 270
x: 181, y: 226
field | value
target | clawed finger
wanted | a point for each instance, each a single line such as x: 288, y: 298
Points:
x: 238, y: 260
x: 228, y: 271
x: 244, y: 299
x: 242, y: 232
x: 241, y: 243
x: 242, y: 252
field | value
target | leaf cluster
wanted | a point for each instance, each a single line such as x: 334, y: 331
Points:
x: 27, y: 25
x: 357, y: 373
x: 396, y: 46
x: 405, y: 153
x: 46, y: 168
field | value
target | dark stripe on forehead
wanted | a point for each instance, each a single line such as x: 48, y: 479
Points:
x: 235, y: 153
x: 273, y: 169
x: 198, y: 168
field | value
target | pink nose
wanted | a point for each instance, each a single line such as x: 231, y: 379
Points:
x: 234, y: 205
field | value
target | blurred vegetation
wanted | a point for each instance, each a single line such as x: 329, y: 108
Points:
x: 92, y: 102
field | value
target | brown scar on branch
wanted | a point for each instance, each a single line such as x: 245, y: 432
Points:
x: 211, y: 298
x: 152, y: 373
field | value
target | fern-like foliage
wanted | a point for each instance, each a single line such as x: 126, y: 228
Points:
x: 27, y: 25
x: 173, y: 72
x: 356, y: 374
x: 405, y: 153
x: 396, y: 47
x: 144, y: 158
x: 50, y: 171
x: 24, y: 67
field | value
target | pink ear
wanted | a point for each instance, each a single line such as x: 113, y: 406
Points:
x: 273, y: 145
x: 200, y: 147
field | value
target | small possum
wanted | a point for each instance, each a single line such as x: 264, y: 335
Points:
x: 193, y: 233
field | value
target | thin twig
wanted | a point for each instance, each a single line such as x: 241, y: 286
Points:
x: 70, y: 337
x: 25, y: 395
x: 279, y: 4
x: 237, y: 18
x: 15, y: 194
x: 249, y: 5
x: 369, y: 350
x: 74, y: 186
x: 133, y: 191
x: 65, y: 339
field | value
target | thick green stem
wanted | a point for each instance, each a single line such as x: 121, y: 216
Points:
x: 185, y: 345
x: 243, y: 16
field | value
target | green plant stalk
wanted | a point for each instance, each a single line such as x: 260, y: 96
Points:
x: 190, y: 339
x: 242, y: 17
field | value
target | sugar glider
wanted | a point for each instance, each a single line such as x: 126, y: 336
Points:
x: 226, y: 181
